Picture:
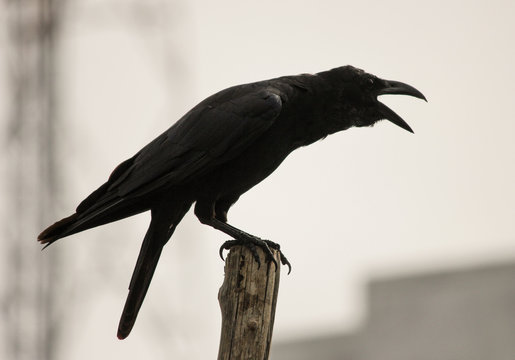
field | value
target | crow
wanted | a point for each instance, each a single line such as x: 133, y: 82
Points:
x: 220, y: 149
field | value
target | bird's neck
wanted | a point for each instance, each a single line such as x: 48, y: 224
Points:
x: 318, y: 113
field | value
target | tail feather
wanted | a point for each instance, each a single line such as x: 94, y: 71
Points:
x: 161, y: 228
x: 81, y: 221
x: 56, y: 230
x: 140, y: 282
x: 100, y: 207
x: 109, y: 211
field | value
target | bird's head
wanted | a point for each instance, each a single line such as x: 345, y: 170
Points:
x: 359, y: 93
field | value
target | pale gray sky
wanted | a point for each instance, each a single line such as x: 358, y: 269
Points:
x: 360, y: 203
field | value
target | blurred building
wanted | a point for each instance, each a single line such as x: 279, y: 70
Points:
x: 466, y: 314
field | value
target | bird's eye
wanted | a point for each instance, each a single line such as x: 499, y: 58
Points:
x: 370, y: 82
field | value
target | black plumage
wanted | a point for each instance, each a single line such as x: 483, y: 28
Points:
x: 220, y: 149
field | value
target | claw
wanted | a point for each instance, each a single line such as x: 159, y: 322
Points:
x: 269, y: 254
x: 251, y: 244
x: 285, y: 261
x: 255, y: 255
x: 277, y: 247
x: 226, y: 246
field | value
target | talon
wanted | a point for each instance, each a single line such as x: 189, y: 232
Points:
x: 268, y: 253
x: 251, y: 243
x: 285, y: 261
x: 272, y: 259
x: 283, y: 258
x: 226, y: 246
x: 255, y: 255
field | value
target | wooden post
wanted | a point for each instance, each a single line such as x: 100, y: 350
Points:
x: 247, y: 299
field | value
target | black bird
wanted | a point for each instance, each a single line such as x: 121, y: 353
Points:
x: 220, y: 149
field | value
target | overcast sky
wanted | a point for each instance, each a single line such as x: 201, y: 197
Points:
x: 365, y: 202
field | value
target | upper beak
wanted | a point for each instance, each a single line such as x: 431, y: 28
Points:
x: 397, y: 88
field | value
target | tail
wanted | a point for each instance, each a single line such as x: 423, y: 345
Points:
x: 161, y: 228
x: 83, y: 220
x: 55, y: 231
x: 102, y: 206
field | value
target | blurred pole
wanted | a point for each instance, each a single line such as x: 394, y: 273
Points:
x: 30, y: 326
x: 248, y: 299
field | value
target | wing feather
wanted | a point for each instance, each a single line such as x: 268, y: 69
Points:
x: 212, y: 133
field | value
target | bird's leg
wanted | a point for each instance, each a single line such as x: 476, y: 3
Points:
x: 241, y: 238
x: 266, y: 245
x: 250, y: 241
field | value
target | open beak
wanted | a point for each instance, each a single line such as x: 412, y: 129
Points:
x: 397, y: 88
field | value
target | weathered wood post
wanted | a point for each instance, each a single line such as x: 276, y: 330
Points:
x: 247, y: 299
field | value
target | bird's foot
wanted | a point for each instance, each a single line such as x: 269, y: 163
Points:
x: 252, y: 243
